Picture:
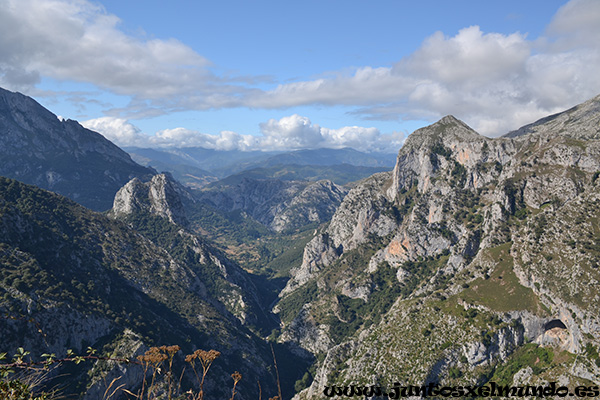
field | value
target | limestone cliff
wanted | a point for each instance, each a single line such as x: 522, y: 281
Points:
x: 157, y: 197
x: 280, y: 205
x: 463, y: 259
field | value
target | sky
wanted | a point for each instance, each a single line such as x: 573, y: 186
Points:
x: 283, y: 75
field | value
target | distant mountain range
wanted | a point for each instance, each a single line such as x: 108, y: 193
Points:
x: 197, y: 167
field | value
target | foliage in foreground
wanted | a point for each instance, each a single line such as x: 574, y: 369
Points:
x: 22, y: 379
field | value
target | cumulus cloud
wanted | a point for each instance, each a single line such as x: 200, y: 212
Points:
x: 298, y: 132
x: 288, y: 133
x: 469, y: 58
x: 78, y: 40
x: 117, y: 130
x: 495, y: 82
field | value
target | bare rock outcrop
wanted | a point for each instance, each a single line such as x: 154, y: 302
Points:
x: 157, y: 197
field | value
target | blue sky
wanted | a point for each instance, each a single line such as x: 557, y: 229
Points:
x: 290, y: 75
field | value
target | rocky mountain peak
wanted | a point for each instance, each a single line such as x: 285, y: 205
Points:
x: 158, y: 197
x: 465, y: 226
x: 447, y: 130
x: 24, y: 120
x: 62, y: 156
x: 440, y: 146
x: 14, y: 103
x: 450, y: 120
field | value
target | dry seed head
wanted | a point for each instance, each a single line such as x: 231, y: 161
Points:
x: 153, y: 356
x: 207, y: 357
x: 173, y: 349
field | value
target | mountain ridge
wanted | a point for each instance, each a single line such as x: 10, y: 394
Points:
x: 61, y: 156
x: 198, y: 167
x: 475, y: 260
x: 583, y: 122
x: 444, y: 270
x: 122, y: 285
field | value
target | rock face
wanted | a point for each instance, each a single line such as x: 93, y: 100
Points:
x: 62, y: 156
x: 350, y: 226
x: 88, y: 280
x: 161, y: 199
x: 462, y: 256
x: 280, y: 205
x: 158, y: 197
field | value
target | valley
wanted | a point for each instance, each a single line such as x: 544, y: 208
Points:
x: 468, y: 260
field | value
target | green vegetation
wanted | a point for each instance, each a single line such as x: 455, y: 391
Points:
x: 60, y: 259
x: 355, y: 314
x: 502, y: 290
x: 529, y: 355
x: 228, y: 229
x: 340, y: 174
x: 250, y: 243
x: 458, y: 175
x: 291, y: 305
x: 591, y: 352
x: 440, y: 149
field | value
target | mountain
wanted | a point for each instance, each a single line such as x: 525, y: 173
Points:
x: 214, y: 163
x: 184, y: 169
x: 62, y: 156
x: 160, y: 196
x: 279, y: 205
x: 73, y: 278
x: 197, y: 167
x: 579, y: 122
x: 331, y: 157
x: 340, y: 174
x: 475, y: 260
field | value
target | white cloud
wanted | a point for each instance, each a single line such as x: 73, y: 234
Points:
x: 494, y: 82
x: 77, y: 40
x: 576, y: 24
x: 470, y: 58
x: 181, y: 137
x: 297, y: 132
x: 293, y: 132
x: 289, y: 133
x: 117, y: 130
x: 472, y: 75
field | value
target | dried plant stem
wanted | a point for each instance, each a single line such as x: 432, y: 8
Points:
x: 276, y: 371
x: 259, y: 391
